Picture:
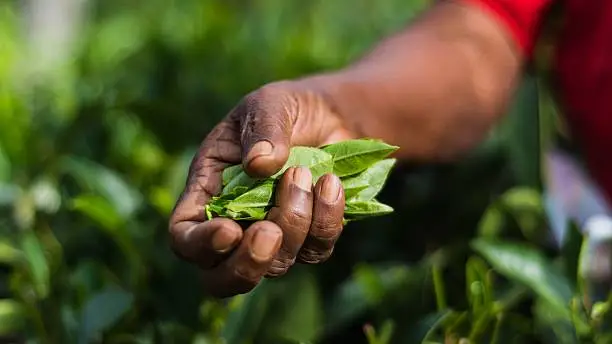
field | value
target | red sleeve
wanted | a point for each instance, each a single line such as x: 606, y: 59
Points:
x: 522, y: 18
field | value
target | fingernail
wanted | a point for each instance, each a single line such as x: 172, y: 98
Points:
x: 224, y: 240
x: 261, y: 148
x: 330, y: 190
x: 265, y: 243
x: 302, y: 178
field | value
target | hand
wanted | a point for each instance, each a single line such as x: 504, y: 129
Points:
x: 306, y: 220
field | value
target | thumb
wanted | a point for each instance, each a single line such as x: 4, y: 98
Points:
x: 266, y: 123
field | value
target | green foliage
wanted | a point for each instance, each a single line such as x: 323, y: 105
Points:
x: 94, y: 152
x: 367, y: 184
x: 354, y: 156
x: 361, y: 162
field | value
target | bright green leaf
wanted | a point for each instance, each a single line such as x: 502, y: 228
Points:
x: 354, y: 156
x: 246, y: 214
x: 257, y: 197
x: 363, y: 209
x: 231, y: 172
x: 367, y: 184
x: 529, y: 267
x: 318, y: 161
x: 241, y: 180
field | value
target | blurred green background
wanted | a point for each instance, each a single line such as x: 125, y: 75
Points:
x: 102, y: 104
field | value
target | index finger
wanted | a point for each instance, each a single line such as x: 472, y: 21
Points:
x: 194, y: 238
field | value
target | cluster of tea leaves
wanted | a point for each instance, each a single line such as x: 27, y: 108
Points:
x: 361, y: 164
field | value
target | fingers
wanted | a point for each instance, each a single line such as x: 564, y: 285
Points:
x: 292, y: 213
x: 205, y: 243
x: 326, y: 226
x: 219, y: 149
x: 243, y: 270
x: 192, y: 238
x: 266, y: 117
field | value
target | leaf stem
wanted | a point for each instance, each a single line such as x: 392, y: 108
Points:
x: 480, y: 326
x: 496, y: 331
x: 438, y: 282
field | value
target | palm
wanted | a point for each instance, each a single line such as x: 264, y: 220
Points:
x: 306, y: 219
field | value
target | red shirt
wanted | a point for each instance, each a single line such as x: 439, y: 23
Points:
x: 582, y: 67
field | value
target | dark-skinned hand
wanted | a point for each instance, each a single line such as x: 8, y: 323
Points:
x: 306, y: 221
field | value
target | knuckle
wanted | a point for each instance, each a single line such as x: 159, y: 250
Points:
x: 314, y: 256
x: 299, y: 215
x: 326, y: 226
x: 279, y: 267
x: 272, y: 90
x: 270, y: 93
x: 278, y: 93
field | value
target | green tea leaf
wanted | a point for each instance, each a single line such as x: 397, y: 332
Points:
x: 231, y: 172
x: 216, y: 208
x: 353, y: 156
x: 529, y: 267
x: 209, y: 214
x: 224, y: 198
x: 247, y: 214
x: 246, y: 198
x: 257, y: 197
x: 240, y: 182
x: 318, y: 161
x: 38, y: 266
x: 363, y: 209
x: 367, y: 184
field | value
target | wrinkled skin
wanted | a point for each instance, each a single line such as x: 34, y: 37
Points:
x: 307, y: 219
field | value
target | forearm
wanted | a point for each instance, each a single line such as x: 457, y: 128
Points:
x: 435, y: 89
